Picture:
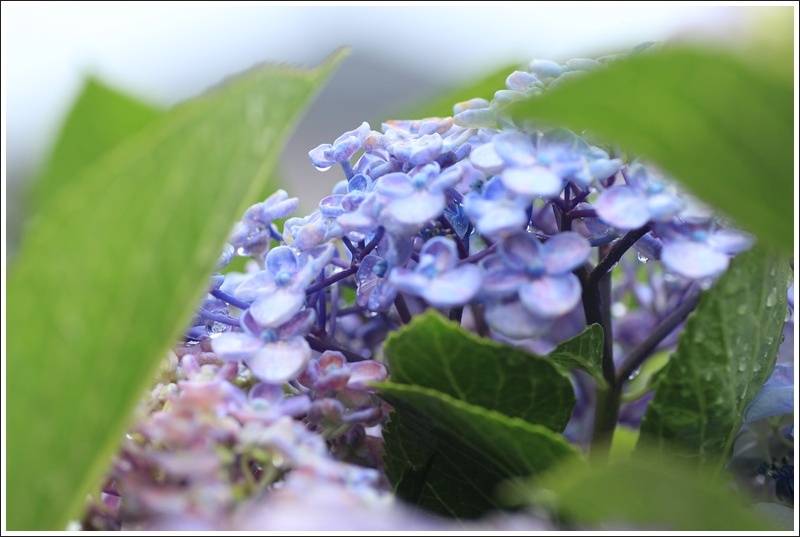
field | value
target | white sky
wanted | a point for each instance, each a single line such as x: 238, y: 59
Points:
x: 168, y: 51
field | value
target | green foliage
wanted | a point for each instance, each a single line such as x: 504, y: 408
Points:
x: 470, y: 413
x: 100, y: 118
x: 725, y: 353
x: 584, y: 352
x: 435, y: 353
x: 462, y: 451
x: 110, y: 270
x: 442, y: 105
x: 651, y: 491
x: 717, y: 123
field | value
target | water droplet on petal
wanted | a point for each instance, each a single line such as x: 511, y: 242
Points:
x: 642, y: 258
x: 323, y: 168
x: 634, y: 373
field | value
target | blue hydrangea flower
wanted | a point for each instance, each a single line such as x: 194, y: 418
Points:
x: 539, y: 273
x: 413, y: 200
x: 703, y: 254
x: 341, y: 150
x: 496, y: 212
x: 776, y: 396
x: 251, y: 236
x: 273, y: 355
x: 643, y: 200
x: 438, y: 277
x: 278, y: 292
x: 374, y: 290
x: 312, y: 230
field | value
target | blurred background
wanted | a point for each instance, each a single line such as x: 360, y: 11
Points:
x: 167, y: 52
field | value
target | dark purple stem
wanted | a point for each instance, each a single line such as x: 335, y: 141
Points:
x: 225, y: 297
x: 224, y: 319
x: 330, y: 280
x: 320, y: 345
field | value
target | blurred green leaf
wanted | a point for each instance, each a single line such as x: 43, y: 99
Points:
x: 100, y: 118
x: 442, y: 105
x: 109, y: 272
x: 448, y: 456
x: 652, y: 492
x: 725, y: 353
x: 435, y: 353
x: 714, y: 121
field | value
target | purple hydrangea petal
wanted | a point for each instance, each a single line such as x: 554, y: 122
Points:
x: 456, y: 287
x: 776, y: 396
x: 604, y: 168
x: 546, y: 68
x: 501, y: 220
x: 692, y: 259
x: 359, y: 133
x: 299, y: 325
x: 486, y: 159
x: 343, y: 150
x: 623, y: 207
x: 551, y: 296
x: 565, y: 252
x: 280, y: 361
x: 514, y: 321
x: 271, y: 393
x: 281, y: 259
x: 408, y: 281
x: 521, y: 250
x: 322, y: 157
x: 418, y: 151
x: 520, y: 80
x: 515, y: 148
x: 236, y: 346
x: 533, y: 181
x: 471, y: 104
x: 395, y: 185
x: 558, y: 142
x: 416, y: 209
x: 731, y: 241
x: 440, y: 253
x: 259, y: 283
x: 331, y: 206
x: 275, y: 308
x: 364, y: 372
x: 663, y: 206
x: 476, y: 118
x: 500, y: 282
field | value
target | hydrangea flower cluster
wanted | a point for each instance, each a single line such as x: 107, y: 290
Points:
x: 503, y: 227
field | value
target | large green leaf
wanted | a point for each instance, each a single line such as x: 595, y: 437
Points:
x: 725, y: 354
x: 442, y: 106
x: 109, y: 272
x: 100, y: 118
x: 435, y: 353
x: 448, y: 456
x: 717, y: 123
x: 652, y: 492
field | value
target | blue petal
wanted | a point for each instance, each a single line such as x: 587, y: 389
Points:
x: 520, y: 80
x: 512, y: 320
x: 331, y: 206
x: 454, y: 288
x: 694, y: 260
x: 258, y: 284
x: 416, y: 209
x: 521, y: 250
x: 418, y: 151
x: 280, y: 361
x: 663, y: 206
x: 439, y: 252
x: 235, y: 346
x: 501, y: 282
x: 486, y: 159
x: 472, y: 104
x: 299, y: 325
x: 500, y: 220
x: 322, y: 156
x: 551, y: 296
x: 623, y: 207
x: 280, y: 259
x: 275, y: 308
x: 565, y: 252
x: 546, y: 68
x: 477, y: 117
x: 395, y: 185
x: 776, y: 396
x: 515, y: 148
x: 731, y: 241
x: 409, y: 281
x: 533, y: 181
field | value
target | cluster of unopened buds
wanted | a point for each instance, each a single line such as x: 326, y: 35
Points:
x: 499, y: 225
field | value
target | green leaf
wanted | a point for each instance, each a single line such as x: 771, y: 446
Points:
x: 100, y: 118
x: 584, y: 352
x: 110, y: 271
x: 714, y: 121
x: 651, y: 492
x: 448, y: 456
x: 442, y: 106
x: 435, y: 353
x: 725, y: 353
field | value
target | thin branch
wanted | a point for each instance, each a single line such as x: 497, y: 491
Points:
x: 615, y: 254
x: 320, y: 345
